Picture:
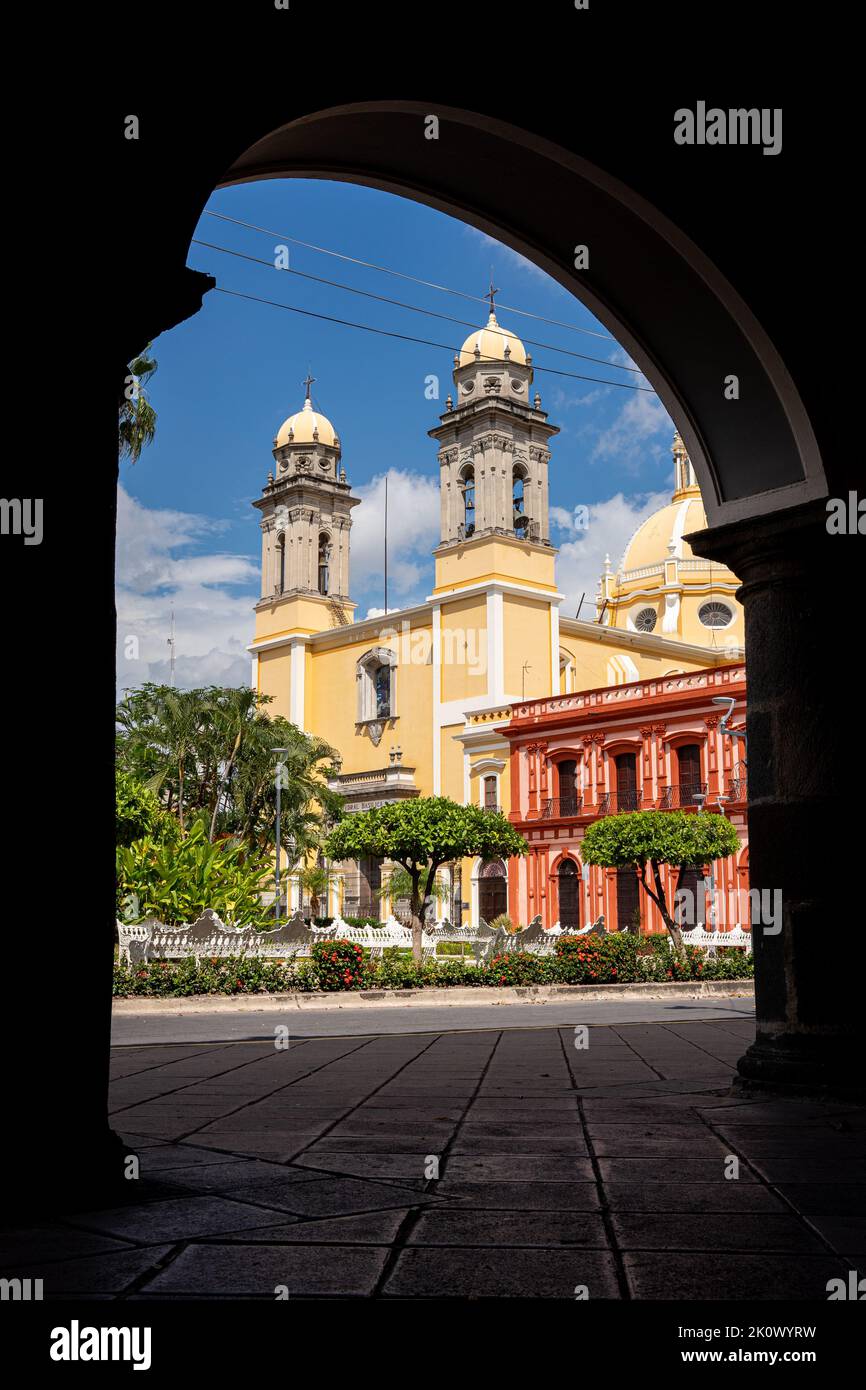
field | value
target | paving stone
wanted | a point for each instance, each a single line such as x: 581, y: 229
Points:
x: 717, y: 1275
x: 105, y: 1274
x: 238, y: 1270
x: 230, y: 1178
x: 379, y: 1143
x: 539, y: 1144
x: 647, y: 1169
x: 519, y: 1196
x: 519, y: 1167
x: 547, y: 1229
x: 733, y: 1231
x: 636, y: 1141
x: 42, y: 1244
x: 841, y: 1198
x: 846, y: 1234
x: 475, y: 1272
x: 519, y: 1129
x: 809, y: 1170
x: 179, y: 1218
x: 691, y: 1197
x: 341, y: 1196
x: 404, y: 1167
x: 173, y: 1156
x: 367, y: 1228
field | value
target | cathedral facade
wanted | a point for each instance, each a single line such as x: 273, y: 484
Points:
x: 419, y: 702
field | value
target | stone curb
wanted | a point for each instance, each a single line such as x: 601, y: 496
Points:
x: 440, y: 998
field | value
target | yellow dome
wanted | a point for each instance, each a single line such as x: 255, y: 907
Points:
x: 651, y: 541
x: 303, y: 425
x: 491, y: 342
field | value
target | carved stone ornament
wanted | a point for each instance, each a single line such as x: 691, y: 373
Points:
x: 375, y: 729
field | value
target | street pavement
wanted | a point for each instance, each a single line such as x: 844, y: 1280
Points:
x: 258, y: 1020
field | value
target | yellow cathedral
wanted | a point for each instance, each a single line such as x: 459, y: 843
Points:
x: 415, y: 701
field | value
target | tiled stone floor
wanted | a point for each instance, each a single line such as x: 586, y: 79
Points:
x: 309, y: 1169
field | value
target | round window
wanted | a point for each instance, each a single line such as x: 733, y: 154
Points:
x: 646, y: 620
x: 715, y: 614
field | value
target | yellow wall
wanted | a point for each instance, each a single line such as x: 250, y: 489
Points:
x: 527, y: 639
x: 475, y: 562
x: 464, y: 654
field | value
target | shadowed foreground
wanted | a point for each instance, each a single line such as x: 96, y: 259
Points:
x: 308, y: 1170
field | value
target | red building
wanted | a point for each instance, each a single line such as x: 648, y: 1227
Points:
x: 655, y: 744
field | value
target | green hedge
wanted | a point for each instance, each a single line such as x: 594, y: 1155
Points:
x: 605, y: 960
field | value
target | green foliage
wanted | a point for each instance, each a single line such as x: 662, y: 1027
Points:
x: 138, y: 812
x: 648, y: 839
x: 177, y: 881
x: 502, y: 923
x: 210, y: 752
x: 423, y: 834
x: 661, y: 837
x: 608, y: 962
x: 339, y: 965
x: 136, y: 424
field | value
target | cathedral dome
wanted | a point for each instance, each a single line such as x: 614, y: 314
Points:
x: 661, y: 535
x: 306, y: 426
x: 491, y: 343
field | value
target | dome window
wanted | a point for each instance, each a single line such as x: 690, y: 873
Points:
x: 646, y: 620
x: 715, y: 614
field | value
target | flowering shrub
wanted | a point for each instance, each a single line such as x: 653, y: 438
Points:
x: 339, y: 965
x: 342, y: 965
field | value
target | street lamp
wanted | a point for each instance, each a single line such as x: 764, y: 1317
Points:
x: 278, y: 782
x: 724, y: 724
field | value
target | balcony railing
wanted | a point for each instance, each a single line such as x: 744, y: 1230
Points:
x: 561, y: 807
x: 493, y: 809
x: 611, y: 803
x: 738, y: 789
x: 677, y: 798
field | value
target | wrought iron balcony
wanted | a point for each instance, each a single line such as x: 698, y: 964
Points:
x: 494, y: 810
x: 561, y: 807
x: 679, y: 798
x: 611, y: 803
x: 738, y: 789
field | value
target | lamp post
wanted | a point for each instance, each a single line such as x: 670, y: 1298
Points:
x: 278, y: 782
x: 724, y: 725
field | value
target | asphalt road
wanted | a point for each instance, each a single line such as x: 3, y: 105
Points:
x: 365, y: 1020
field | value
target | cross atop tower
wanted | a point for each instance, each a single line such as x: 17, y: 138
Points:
x: 490, y: 293
x: 308, y: 381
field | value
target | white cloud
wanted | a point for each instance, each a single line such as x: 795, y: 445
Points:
x: 212, y: 596
x: 641, y: 426
x: 413, y: 531
x: 610, y: 526
x: 514, y: 258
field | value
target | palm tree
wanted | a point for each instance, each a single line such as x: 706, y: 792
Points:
x: 137, y: 417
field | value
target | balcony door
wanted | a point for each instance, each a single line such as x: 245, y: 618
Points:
x: 568, y: 787
x: 626, y: 782
x: 627, y: 900
x: 569, y: 895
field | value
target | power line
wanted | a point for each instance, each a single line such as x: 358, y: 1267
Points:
x: 402, y: 275
x: 424, y: 342
x: 416, y: 309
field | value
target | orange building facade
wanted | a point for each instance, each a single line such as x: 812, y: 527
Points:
x: 651, y: 745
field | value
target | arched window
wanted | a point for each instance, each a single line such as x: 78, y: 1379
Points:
x: 281, y: 562
x: 492, y: 890
x: 569, y: 895
x: 324, y: 563
x: 467, y: 485
x: 377, y: 689
x: 520, y: 520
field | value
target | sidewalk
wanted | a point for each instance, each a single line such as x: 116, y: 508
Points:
x: 497, y: 1163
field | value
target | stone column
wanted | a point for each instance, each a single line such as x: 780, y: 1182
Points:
x: 800, y: 590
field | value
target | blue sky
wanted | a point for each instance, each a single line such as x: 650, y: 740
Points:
x: 188, y: 538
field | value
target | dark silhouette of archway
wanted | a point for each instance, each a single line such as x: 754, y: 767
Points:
x: 685, y: 269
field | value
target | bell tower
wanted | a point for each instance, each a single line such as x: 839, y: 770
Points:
x: 493, y: 460
x: 306, y: 508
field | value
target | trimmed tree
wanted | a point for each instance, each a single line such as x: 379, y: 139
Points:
x: 644, y: 840
x: 421, y: 835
